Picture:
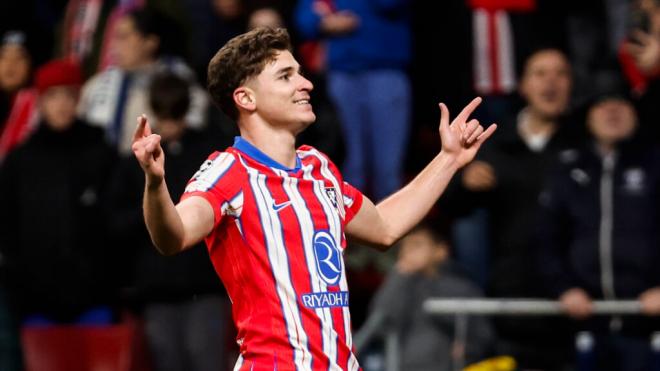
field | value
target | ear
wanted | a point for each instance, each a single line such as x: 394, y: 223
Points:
x: 441, y: 251
x: 153, y: 42
x: 244, y: 99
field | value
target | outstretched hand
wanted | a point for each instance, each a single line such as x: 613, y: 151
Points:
x: 463, y: 137
x: 147, y: 150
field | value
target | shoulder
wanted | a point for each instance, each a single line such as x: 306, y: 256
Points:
x: 309, y: 154
x: 221, y: 170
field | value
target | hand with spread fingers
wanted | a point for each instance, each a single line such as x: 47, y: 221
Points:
x: 146, y: 148
x: 464, y: 136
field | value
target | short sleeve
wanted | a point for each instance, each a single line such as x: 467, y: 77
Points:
x: 217, y: 181
x: 352, y: 201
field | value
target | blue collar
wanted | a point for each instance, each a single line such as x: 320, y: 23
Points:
x: 252, y: 151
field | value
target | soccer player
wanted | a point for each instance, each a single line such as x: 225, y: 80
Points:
x: 274, y: 218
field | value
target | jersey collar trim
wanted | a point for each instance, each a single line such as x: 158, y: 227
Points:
x: 252, y: 151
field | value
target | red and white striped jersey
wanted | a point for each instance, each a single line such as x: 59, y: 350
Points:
x: 277, y: 244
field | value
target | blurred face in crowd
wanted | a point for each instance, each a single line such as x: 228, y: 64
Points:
x: 227, y: 9
x: 421, y: 252
x: 14, y: 67
x: 58, y: 107
x: 169, y: 129
x: 612, y: 120
x: 265, y: 17
x: 281, y: 94
x: 131, y: 49
x: 546, y: 83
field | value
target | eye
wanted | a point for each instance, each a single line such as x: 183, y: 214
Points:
x: 286, y: 77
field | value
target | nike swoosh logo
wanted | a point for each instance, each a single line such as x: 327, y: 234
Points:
x: 278, y: 207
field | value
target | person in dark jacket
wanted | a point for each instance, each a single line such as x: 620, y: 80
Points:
x: 181, y: 298
x: 52, y: 228
x: 424, y: 270
x: 598, y: 233
x: 504, y: 183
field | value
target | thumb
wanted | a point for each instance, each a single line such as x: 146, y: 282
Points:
x: 444, y: 118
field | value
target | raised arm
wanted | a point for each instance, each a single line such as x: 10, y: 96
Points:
x: 384, y: 224
x: 172, y: 228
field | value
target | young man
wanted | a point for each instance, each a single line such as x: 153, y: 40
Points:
x: 274, y: 218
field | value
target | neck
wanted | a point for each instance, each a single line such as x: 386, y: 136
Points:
x: 605, y: 147
x: 277, y: 143
x: 538, y: 123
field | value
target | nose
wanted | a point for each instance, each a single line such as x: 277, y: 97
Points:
x: 306, y: 84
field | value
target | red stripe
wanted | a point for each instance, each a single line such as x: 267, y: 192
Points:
x: 300, y: 275
x: 337, y: 314
x: 494, y: 52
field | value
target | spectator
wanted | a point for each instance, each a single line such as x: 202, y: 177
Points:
x: 368, y: 82
x: 214, y: 23
x: 17, y: 102
x: 506, y: 181
x: 422, y: 271
x: 181, y: 298
x: 113, y: 98
x: 598, y: 233
x: 52, y: 229
x: 640, y: 59
x: 265, y: 17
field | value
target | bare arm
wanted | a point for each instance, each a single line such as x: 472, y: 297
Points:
x: 391, y: 219
x: 172, y: 228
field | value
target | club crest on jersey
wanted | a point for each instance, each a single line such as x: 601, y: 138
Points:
x: 332, y: 195
x: 328, y: 257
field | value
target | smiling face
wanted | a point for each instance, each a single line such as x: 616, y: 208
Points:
x: 281, y: 95
x: 546, y: 83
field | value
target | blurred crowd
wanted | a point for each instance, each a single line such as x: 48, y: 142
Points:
x: 562, y: 203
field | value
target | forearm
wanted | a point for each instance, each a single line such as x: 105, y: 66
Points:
x: 404, y: 209
x: 162, y: 219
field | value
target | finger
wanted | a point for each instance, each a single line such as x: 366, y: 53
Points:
x: 486, y: 134
x: 470, y: 128
x: 142, y: 130
x: 467, y: 111
x: 475, y: 134
x: 153, y: 144
x: 444, y: 117
x: 634, y: 49
x: 641, y: 36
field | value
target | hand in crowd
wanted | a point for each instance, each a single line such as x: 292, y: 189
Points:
x: 147, y: 150
x: 577, y: 303
x: 463, y: 137
x: 650, y: 301
x: 645, y: 49
x: 339, y: 23
x: 479, y: 176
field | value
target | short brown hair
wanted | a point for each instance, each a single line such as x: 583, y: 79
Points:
x: 169, y: 96
x: 243, y: 57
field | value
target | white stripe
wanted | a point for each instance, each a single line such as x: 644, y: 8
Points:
x: 277, y: 255
x: 483, y: 81
x: 505, y: 58
x: 339, y: 235
x: 209, y: 174
x: 335, y: 230
x: 307, y: 230
x: 239, y: 363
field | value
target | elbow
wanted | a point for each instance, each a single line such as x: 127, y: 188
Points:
x: 168, y: 249
x: 385, y: 242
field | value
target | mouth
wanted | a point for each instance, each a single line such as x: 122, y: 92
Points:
x: 301, y: 101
